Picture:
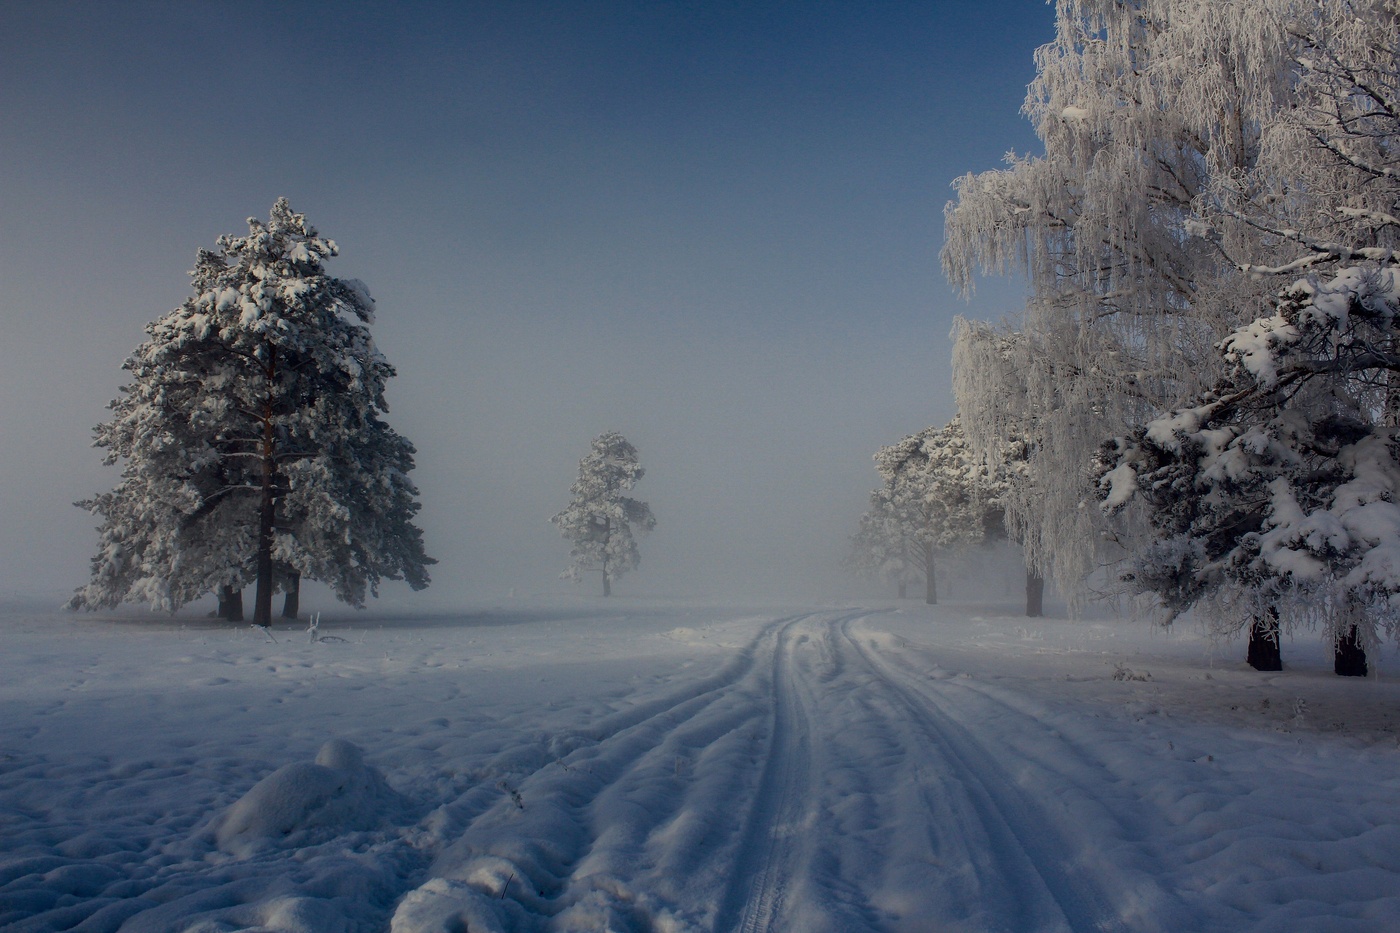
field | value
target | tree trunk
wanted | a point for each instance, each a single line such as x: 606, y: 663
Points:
x: 903, y: 588
x: 262, y: 599
x: 930, y: 578
x: 230, y: 604
x: 607, y: 543
x: 267, y: 513
x: 1349, y: 657
x: 1035, y: 595
x: 291, y: 604
x: 1264, y: 654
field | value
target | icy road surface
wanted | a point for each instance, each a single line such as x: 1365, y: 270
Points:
x: 641, y: 766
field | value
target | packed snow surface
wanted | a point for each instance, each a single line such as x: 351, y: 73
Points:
x: 645, y: 766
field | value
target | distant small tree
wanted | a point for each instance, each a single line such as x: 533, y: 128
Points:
x: 886, y: 546
x: 933, y: 482
x: 600, y: 521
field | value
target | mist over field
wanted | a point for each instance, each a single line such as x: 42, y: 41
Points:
x: 714, y: 229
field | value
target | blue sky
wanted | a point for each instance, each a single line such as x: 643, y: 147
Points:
x: 712, y: 226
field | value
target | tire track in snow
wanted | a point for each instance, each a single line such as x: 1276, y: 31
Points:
x: 457, y: 816
x: 560, y: 795
x: 1059, y: 750
x: 1026, y: 841
x: 601, y: 824
x: 767, y: 851
x: 1095, y: 796
x: 712, y: 686
x: 755, y: 896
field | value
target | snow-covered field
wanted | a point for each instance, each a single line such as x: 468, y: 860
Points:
x: 643, y: 766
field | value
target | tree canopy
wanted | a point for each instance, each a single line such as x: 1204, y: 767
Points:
x: 934, y: 500
x: 252, y: 439
x: 600, y: 522
x: 1215, y: 176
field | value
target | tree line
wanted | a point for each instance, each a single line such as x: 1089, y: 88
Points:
x: 1200, y: 392
x: 1206, y: 374
x: 254, y: 449
x: 938, y: 500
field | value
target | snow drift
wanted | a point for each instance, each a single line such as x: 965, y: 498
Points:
x: 308, y: 801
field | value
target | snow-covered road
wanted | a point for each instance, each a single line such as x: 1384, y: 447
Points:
x: 654, y: 767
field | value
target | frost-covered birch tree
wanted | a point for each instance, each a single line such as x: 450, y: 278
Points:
x: 600, y: 522
x: 251, y: 438
x: 1190, y: 161
x: 1001, y: 428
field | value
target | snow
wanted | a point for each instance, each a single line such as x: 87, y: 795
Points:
x: 638, y: 765
x: 1258, y: 346
x: 335, y: 793
x: 1121, y: 483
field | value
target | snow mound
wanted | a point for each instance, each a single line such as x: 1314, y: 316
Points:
x: 301, y: 802
x: 450, y: 904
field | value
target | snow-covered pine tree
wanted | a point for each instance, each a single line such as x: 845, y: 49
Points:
x: 1274, y: 494
x: 933, y: 482
x: 251, y: 438
x: 885, y: 547
x: 346, y: 516
x: 599, y: 520
x: 172, y: 528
